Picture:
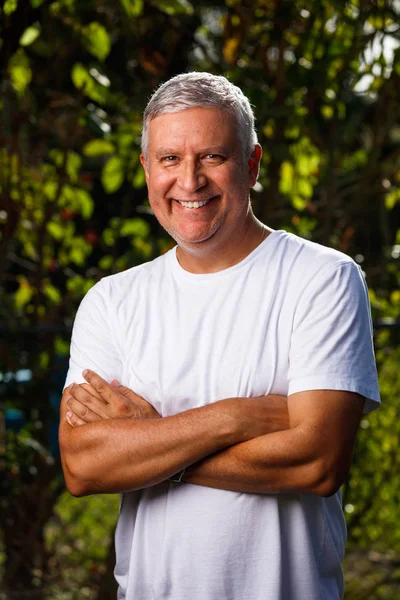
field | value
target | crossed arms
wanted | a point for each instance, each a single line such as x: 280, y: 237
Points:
x: 112, y: 440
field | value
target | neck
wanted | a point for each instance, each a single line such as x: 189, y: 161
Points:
x: 210, y: 257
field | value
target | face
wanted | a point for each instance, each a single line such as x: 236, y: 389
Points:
x: 197, y: 179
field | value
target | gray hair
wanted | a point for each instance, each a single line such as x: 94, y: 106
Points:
x: 202, y: 90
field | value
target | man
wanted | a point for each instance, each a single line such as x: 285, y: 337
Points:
x: 229, y: 491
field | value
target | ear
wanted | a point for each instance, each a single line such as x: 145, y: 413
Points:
x: 145, y: 168
x: 254, y: 165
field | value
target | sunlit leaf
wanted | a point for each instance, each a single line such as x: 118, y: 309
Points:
x: 133, y: 8
x: 96, y: 40
x: 10, y: 6
x: 55, y: 229
x: 20, y: 71
x: 106, y: 262
x: 84, y: 203
x: 83, y: 81
x: 174, y: 7
x: 112, y: 175
x: 24, y: 293
x: 299, y: 203
x: 98, y: 148
x: 135, y: 227
x: 392, y: 198
x: 139, y: 179
x: 80, y: 249
x: 51, y: 292
x: 30, y: 35
x: 304, y: 187
x: 286, y: 180
x: 73, y: 165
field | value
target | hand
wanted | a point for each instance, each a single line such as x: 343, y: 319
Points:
x: 98, y: 400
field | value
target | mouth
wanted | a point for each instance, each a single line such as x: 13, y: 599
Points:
x: 197, y: 204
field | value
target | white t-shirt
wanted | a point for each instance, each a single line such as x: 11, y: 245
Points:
x: 292, y: 316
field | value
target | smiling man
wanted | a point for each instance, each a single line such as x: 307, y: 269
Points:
x: 219, y: 387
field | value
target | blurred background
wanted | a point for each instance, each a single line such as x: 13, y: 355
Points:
x: 324, y: 79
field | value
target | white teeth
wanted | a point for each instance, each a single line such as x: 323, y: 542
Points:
x: 194, y: 204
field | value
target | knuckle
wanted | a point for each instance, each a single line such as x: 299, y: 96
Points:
x: 100, y: 386
x: 86, y: 398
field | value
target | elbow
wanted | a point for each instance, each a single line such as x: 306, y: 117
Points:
x: 328, y: 478
x: 76, y: 480
x: 76, y: 489
x: 76, y: 484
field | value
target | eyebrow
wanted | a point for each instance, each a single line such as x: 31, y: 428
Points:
x: 207, y: 150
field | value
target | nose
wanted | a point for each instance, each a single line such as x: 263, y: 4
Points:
x: 191, y: 176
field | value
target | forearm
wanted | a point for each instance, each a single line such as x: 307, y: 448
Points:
x: 267, y: 464
x: 312, y: 456
x: 124, y: 454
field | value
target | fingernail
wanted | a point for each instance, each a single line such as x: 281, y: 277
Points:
x: 115, y: 383
x: 85, y: 372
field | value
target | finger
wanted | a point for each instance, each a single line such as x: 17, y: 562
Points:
x: 84, y: 404
x: 73, y: 419
x: 130, y: 394
x: 104, y: 389
x: 82, y: 411
x: 92, y: 391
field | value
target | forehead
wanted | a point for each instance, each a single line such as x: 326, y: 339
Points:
x: 193, y: 127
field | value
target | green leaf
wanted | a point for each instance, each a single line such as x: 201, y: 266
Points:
x: 286, y: 180
x: 304, y: 187
x: 139, y: 179
x: 133, y: 8
x: 30, y: 35
x: 96, y: 40
x: 10, y: 6
x: 106, y: 262
x: 82, y: 80
x: 24, y: 293
x: 55, y: 229
x: 392, y: 198
x: 98, y: 148
x: 20, y: 72
x: 73, y: 165
x: 84, y: 203
x: 112, y: 175
x: 299, y: 203
x: 51, y: 292
x: 174, y: 7
x: 50, y: 189
x: 135, y: 227
x: 79, y: 251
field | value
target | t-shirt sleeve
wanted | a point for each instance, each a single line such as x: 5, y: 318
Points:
x: 93, y: 344
x: 331, y: 344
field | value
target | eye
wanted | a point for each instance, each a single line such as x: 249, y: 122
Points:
x: 216, y: 159
x: 171, y: 158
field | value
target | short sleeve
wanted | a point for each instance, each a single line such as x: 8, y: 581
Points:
x: 93, y: 343
x: 332, y: 344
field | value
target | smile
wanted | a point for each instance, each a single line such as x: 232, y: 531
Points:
x: 194, y: 204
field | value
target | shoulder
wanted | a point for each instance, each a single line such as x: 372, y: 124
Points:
x: 308, y: 263
x: 112, y: 291
x: 306, y: 251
